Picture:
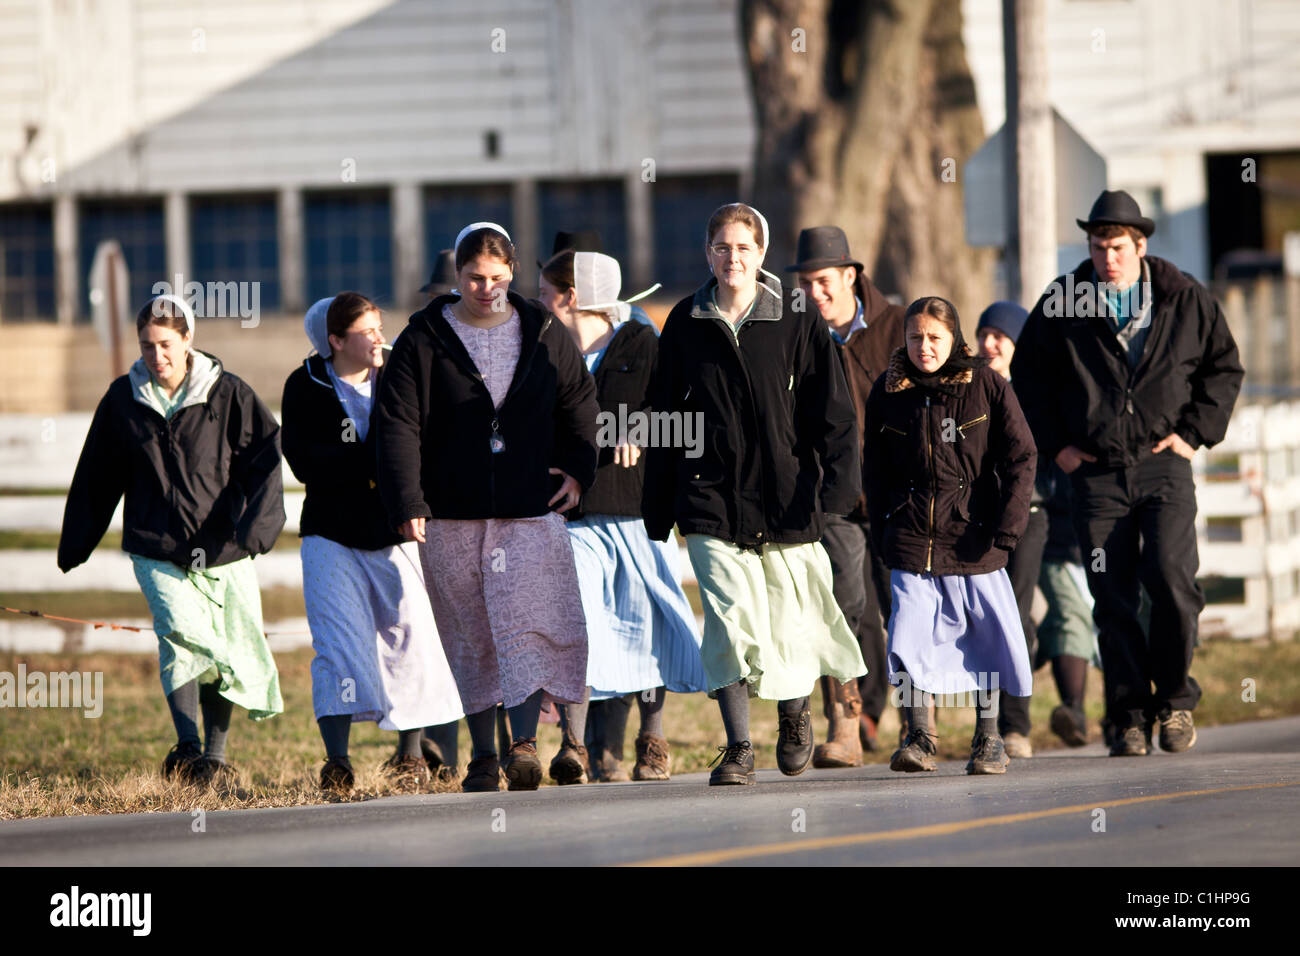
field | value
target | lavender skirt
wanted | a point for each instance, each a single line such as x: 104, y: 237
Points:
x: 957, y: 633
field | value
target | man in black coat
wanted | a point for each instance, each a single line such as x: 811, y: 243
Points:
x: 1125, y: 367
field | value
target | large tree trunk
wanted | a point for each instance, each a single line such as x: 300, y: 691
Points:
x: 858, y: 130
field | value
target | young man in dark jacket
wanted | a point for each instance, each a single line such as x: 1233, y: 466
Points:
x: 1125, y: 367
x: 866, y: 329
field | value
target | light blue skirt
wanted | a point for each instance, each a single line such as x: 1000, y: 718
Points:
x: 957, y: 633
x: 641, y: 631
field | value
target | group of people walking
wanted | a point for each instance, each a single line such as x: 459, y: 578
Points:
x: 473, y: 546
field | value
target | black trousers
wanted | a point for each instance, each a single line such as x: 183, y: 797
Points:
x: 861, y: 586
x: 1022, y: 567
x: 1136, y: 527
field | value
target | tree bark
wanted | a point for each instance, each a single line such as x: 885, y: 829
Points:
x: 858, y: 130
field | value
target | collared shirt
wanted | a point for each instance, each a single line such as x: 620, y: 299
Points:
x: 859, y: 323
x: 1122, y: 307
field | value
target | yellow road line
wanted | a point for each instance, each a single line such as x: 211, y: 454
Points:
x: 934, y: 829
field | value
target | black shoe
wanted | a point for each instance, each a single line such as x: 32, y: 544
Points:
x: 432, y: 755
x: 1177, y: 732
x: 211, y: 772
x: 482, y: 776
x: 180, y: 762
x: 1070, y: 726
x: 336, y: 776
x: 988, y: 754
x: 737, y: 765
x: 571, y: 764
x: 794, y: 742
x: 916, y: 753
x: 1133, y: 741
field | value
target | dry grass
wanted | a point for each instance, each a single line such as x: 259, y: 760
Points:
x: 57, y: 762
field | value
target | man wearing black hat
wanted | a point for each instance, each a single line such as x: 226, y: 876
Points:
x: 866, y: 329
x: 1125, y: 367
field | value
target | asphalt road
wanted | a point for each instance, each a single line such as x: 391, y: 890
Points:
x: 1230, y: 801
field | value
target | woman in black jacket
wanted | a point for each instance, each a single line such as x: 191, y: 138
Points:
x: 641, y: 634
x: 765, y: 443
x: 949, y: 470
x: 378, y: 655
x: 197, y: 456
x: 486, y: 421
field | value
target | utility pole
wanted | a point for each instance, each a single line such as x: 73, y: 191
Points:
x: 1030, y: 154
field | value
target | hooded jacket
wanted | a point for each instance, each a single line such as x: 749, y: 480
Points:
x: 204, y: 484
x: 948, y: 476
x: 1074, y: 380
x: 433, y: 421
x: 337, y: 468
x: 866, y: 354
x: 778, y: 448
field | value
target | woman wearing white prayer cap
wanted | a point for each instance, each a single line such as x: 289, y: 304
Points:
x: 758, y: 371
x: 197, y: 456
x: 378, y: 654
x: 486, y: 427
x: 641, y: 631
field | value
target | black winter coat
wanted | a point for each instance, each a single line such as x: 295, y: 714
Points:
x: 779, y: 446
x: 206, y: 480
x: 433, y: 421
x: 622, y: 383
x: 337, y: 468
x: 1073, y: 378
x: 948, y: 477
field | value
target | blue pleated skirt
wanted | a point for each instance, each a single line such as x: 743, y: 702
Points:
x: 957, y: 633
x: 641, y: 630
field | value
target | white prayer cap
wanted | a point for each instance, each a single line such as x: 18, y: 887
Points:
x: 480, y: 225
x: 179, y: 303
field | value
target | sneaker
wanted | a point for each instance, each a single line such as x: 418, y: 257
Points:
x: 570, y: 764
x: 988, y: 754
x: 917, y: 753
x: 1070, y: 726
x: 482, y: 776
x: 336, y: 776
x: 522, y: 766
x: 180, y: 760
x: 653, y: 761
x: 1017, y: 746
x: 794, y: 742
x: 1132, y: 741
x: 1177, y: 732
x: 737, y: 766
x: 405, y: 772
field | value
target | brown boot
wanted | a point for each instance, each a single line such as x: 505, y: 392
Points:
x: 842, y: 747
x: 653, y: 759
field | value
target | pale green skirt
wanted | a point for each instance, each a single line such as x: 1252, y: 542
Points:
x: 209, y: 627
x: 771, y: 621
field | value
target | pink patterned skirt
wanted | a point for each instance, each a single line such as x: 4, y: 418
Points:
x: 505, y: 595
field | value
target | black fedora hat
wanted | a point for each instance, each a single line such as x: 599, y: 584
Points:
x: 822, y: 247
x: 580, y: 240
x: 444, y: 273
x: 1117, y: 208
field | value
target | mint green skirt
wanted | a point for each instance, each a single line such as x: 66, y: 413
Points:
x: 209, y: 627
x: 771, y: 621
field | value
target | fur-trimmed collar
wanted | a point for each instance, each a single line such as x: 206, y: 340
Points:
x: 896, y: 379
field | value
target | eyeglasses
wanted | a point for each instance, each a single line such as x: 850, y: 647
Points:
x: 723, y: 251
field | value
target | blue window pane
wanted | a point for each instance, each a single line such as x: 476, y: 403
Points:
x: 682, y: 206
x: 27, y: 279
x: 592, y: 204
x: 349, y: 245
x: 137, y: 225
x: 234, y: 239
x: 449, y: 209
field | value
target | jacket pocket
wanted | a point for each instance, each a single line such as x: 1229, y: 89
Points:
x: 981, y: 422
x: 891, y: 430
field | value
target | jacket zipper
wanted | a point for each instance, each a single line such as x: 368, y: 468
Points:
x: 891, y: 428
x: 961, y: 429
x: 734, y: 336
x: 929, y: 451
